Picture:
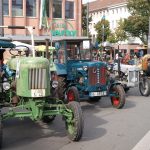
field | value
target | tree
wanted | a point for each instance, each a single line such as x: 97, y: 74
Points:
x: 84, y: 19
x: 120, y: 33
x: 103, y: 30
x: 137, y: 24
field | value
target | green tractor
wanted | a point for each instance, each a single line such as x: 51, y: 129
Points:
x: 25, y: 91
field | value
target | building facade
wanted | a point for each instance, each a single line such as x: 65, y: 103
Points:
x: 113, y: 11
x: 64, y: 18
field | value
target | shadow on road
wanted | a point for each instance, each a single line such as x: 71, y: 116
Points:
x: 18, y: 133
x: 93, y: 123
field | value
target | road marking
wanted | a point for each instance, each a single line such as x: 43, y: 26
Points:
x: 144, y: 143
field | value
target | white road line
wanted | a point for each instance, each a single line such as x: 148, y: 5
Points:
x: 144, y: 143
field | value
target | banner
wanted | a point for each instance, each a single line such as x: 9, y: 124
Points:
x: 43, y: 15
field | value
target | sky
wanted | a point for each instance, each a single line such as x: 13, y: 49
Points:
x: 85, y: 1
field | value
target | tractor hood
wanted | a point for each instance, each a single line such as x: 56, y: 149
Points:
x: 83, y: 63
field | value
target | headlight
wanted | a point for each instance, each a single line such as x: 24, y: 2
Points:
x: 108, y: 67
x: 141, y: 72
x: 6, y: 86
x: 55, y: 84
x: 85, y: 68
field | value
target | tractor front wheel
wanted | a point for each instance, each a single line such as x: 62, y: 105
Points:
x: 144, y: 87
x: 72, y: 94
x: 118, y: 100
x: 75, y: 126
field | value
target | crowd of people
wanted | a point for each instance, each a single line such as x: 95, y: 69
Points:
x: 125, y: 58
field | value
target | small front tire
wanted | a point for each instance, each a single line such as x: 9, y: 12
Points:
x: 118, y: 101
x: 72, y: 94
x: 144, y: 87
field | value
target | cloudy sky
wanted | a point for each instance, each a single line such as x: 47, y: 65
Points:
x: 85, y: 1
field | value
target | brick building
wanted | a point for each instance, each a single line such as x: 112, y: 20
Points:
x: 64, y: 18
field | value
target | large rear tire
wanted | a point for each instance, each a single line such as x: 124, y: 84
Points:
x: 61, y: 88
x: 48, y: 119
x: 118, y: 101
x: 72, y: 94
x: 1, y: 131
x: 75, y: 127
x: 144, y: 87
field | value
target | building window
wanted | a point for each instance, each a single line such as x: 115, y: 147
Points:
x: 57, y: 9
x: 31, y: 8
x: 5, y: 8
x: 69, y: 10
x: 17, y: 7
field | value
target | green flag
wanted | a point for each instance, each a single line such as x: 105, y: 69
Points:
x: 43, y: 15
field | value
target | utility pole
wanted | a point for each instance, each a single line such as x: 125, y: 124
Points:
x: 148, y: 48
x: 1, y: 18
x: 87, y: 18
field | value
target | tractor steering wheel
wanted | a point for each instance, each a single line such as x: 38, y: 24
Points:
x: 20, y: 50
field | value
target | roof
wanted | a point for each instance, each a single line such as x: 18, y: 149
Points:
x: 103, y: 4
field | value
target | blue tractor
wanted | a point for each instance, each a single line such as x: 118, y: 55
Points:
x: 79, y: 78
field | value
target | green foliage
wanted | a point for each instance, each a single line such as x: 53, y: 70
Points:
x: 137, y: 24
x: 112, y: 38
x: 84, y: 19
x: 120, y: 33
x: 103, y: 30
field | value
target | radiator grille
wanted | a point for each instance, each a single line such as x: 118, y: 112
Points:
x: 133, y: 76
x: 97, y: 75
x: 37, y: 78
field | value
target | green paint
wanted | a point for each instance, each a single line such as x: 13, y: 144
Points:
x: 24, y: 81
x: 64, y: 32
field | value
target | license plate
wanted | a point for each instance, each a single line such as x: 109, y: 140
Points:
x: 37, y: 92
x: 103, y: 93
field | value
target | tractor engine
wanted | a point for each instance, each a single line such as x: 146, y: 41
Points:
x: 90, y: 77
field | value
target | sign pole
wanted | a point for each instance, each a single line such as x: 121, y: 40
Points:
x: 1, y: 18
x: 148, y: 49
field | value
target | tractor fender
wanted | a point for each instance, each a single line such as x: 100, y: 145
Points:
x: 112, y: 85
x: 61, y: 69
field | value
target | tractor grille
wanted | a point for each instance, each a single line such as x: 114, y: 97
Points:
x: 133, y: 76
x: 97, y: 75
x: 37, y: 78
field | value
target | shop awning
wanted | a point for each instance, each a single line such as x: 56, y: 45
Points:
x: 42, y: 48
x: 5, y: 44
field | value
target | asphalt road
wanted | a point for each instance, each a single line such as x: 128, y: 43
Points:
x: 105, y: 128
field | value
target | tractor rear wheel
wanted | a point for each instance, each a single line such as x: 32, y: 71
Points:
x: 144, y: 87
x: 1, y: 131
x: 75, y: 126
x: 61, y: 88
x: 72, y: 94
x: 48, y: 119
x: 118, y: 101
